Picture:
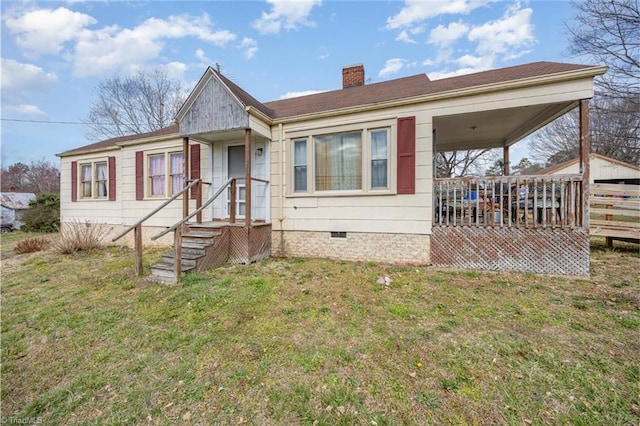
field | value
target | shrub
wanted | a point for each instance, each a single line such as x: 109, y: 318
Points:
x: 43, y: 214
x: 32, y: 245
x: 79, y: 236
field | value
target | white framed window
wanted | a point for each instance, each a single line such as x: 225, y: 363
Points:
x: 379, y: 158
x: 165, y: 174
x: 300, y: 165
x: 94, y: 178
x: 350, y: 161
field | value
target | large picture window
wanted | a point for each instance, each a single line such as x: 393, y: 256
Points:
x: 338, y: 162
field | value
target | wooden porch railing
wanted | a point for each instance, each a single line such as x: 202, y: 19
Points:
x: 177, y: 227
x: 137, y: 227
x: 544, y: 201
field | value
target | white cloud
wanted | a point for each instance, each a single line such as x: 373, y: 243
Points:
x: 392, y: 66
x: 298, y: 94
x: 445, y: 36
x: 111, y: 48
x: 18, y: 77
x: 250, y: 47
x: 416, y: 11
x: 91, y: 52
x: 201, y: 56
x: 508, y: 35
x: 285, y: 14
x: 175, y: 70
x: 44, y: 31
x: 491, y: 43
x: 26, y: 110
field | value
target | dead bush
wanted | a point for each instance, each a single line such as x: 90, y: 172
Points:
x: 79, y: 236
x: 32, y: 245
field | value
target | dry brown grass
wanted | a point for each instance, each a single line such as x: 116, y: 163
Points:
x: 32, y: 245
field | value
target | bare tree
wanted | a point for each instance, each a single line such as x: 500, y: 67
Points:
x: 38, y: 177
x: 463, y: 163
x: 614, y: 126
x: 139, y: 103
x: 607, y: 31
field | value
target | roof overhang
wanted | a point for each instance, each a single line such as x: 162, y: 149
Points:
x: 494, y: 128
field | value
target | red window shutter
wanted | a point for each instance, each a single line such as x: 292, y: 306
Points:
x: 406, y: 155
x: 139, y: 175
x: 112, y: 178
x: 195, y: 168
x: 74, y: 181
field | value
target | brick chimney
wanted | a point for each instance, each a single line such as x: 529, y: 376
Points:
x: 353, y: 75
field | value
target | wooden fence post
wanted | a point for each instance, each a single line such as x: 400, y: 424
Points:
x: 177, y: 253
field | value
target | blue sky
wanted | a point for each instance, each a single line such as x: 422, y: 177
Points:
x: 55, y: 53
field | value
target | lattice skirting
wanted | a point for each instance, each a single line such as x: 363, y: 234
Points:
x: 539, y: 250
x: 247, y: 245
x: 217, y: 254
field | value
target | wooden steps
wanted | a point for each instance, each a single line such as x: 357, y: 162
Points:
x: 195, y: 243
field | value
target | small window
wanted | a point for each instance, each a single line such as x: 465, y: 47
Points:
x: 379, y: 159
x: 300, y: 165
x: 86, y: 180
x: 157, y: 174
x: 165, y: 174
x: 94, y: 180
x: 177, y: 172
x: 338, y: 234
x: 101, y: 180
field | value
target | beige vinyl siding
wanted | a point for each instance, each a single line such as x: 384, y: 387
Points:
x: 409, y: 214
x: 90, y: 210
x: 354, y: 211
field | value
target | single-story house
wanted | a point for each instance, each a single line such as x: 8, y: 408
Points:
x: 345, y: 174
x: 603, y: 169
x: 14, y: 205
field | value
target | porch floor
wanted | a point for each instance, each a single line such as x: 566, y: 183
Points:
x: 222, y: 223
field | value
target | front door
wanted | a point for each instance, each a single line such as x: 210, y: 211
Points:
x: 235, y: 167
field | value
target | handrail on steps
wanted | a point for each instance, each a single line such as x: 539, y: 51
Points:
x: 195, y: 212
x: 137, y: 237
x: 156, y: 210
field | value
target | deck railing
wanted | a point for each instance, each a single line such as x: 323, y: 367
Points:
x: 544, y: 201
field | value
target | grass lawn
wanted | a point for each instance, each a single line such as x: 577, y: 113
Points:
x: 291, y: 341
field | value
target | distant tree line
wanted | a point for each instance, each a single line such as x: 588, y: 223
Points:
x: 38, y: 177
